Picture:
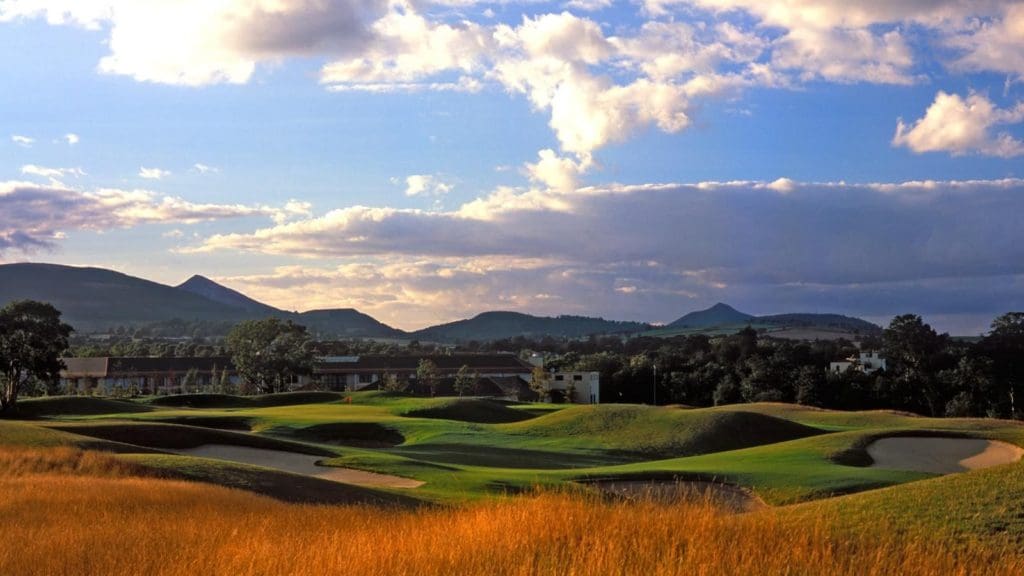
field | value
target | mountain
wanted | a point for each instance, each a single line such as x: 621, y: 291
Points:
x: 718, y: 315
x: 94, y: 299
x: 499, y: 325
x: 823, y: 321
x: 210, y: 290
x: 345, y: 323
x: 724, y: 319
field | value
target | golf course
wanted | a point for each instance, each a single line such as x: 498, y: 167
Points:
x: 316, y: 472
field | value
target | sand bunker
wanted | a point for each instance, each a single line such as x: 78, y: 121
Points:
x: 941, y: 455
x: 724, y: 496
x: 298, y: 464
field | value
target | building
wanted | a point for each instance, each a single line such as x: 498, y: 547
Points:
x: 866, y: 362
x: 495, y: 375
x: 144, y: 375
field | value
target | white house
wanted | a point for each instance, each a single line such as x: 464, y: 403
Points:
x: 866, y: 362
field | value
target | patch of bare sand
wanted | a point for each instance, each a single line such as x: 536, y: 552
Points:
x: 725, y: 496
x: 941, y: 455
x: 298, y: 464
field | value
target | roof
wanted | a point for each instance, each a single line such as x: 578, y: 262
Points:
x: 446, y: 363
x: 126, y: 365
x: 84, y: 367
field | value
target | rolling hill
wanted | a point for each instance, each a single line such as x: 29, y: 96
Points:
x: 724, y: 319
x: 718, y: 315
x: 499, y: 325
x: 210, y: 290
x: 94, y: 299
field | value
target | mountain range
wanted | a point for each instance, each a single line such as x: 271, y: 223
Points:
x: 96, y: 300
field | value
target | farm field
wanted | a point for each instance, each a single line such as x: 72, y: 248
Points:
x: 467, y: 473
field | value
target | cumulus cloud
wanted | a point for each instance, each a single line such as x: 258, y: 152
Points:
x: 962, y: 126
x: 655, y: 252
x: 52, y: 173
x: 195, y: 42
x: 37, y: 216
x: 426, y: 185
x: 902, y: 231
x: 71, y: 139
x: 153, y: 173
x: 23, y: 141
x: 556, y: 172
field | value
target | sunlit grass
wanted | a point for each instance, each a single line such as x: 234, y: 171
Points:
x: 64, y: 524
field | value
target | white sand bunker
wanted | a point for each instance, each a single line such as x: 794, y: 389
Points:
x: 724, y: 496
x: 298, y: 464
x: 941, y: 455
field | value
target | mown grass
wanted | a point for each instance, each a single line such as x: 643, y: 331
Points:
x: 785, y: 453
x: 116, y: 526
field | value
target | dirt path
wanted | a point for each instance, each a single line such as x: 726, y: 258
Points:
x: 941, y: 455
x: 298, y: 464
x: 731, y: 498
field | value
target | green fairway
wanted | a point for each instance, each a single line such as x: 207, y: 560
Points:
x: 470, y: 448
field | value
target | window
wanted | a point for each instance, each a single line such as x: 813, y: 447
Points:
x: 577, y: 377
x: 559, y: 377
x: 365, y: 378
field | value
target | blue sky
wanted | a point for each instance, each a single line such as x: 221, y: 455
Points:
x: 426, y: 161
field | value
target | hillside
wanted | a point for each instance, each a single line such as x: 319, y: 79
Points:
x: 498, y: 325
x: 203, y: 286
x: 345, y: 323
x: 718, y: 315
x: 724, y: 319
x: 94, y: 299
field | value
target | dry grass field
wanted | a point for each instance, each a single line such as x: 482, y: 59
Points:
x: 63, y: 511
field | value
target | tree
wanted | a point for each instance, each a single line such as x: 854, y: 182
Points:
x: 914, y: 349
x: 189, y: 384
x: 32, y: 340
x: 428, y: 374
x: 269, y: 354
x: 392, y: 383
x: 464, y: 380
x: 540, y: 382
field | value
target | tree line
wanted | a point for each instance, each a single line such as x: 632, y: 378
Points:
x: 927, y: 372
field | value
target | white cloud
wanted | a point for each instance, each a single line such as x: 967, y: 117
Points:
x: 71, y: 138
x: 153, y: 173
x: 426, y: 185
x: 962, y: 126
x: 405, y: 48
x: 589, y: 5
x: 995, y: 44
x: 655, y: 252
x: 53, y: 173
x: 23, y: 141
x: 556, y: 172
x: 36, y: 216
x: 196, y: 42
x: 903, y: 231
x: 205, y: 169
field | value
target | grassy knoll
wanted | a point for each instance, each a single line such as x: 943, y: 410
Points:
x: 189, y: 528
x: 469, y: 448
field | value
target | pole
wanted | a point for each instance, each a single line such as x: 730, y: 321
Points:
x: 654, y: 386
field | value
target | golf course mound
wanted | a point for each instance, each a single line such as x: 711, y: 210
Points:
x: 359, y: 434
x: 664, y: 432
x: 477, y: 410
x: 201, y: 401
x: 179, y: 437
x: 236, y: 423
x: 939, y: 455
x: 75, y: 406
x: 231, y: 401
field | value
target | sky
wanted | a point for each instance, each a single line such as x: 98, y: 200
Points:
x: 425, y: 161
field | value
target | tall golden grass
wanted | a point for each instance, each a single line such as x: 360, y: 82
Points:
x: 94, y: 524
